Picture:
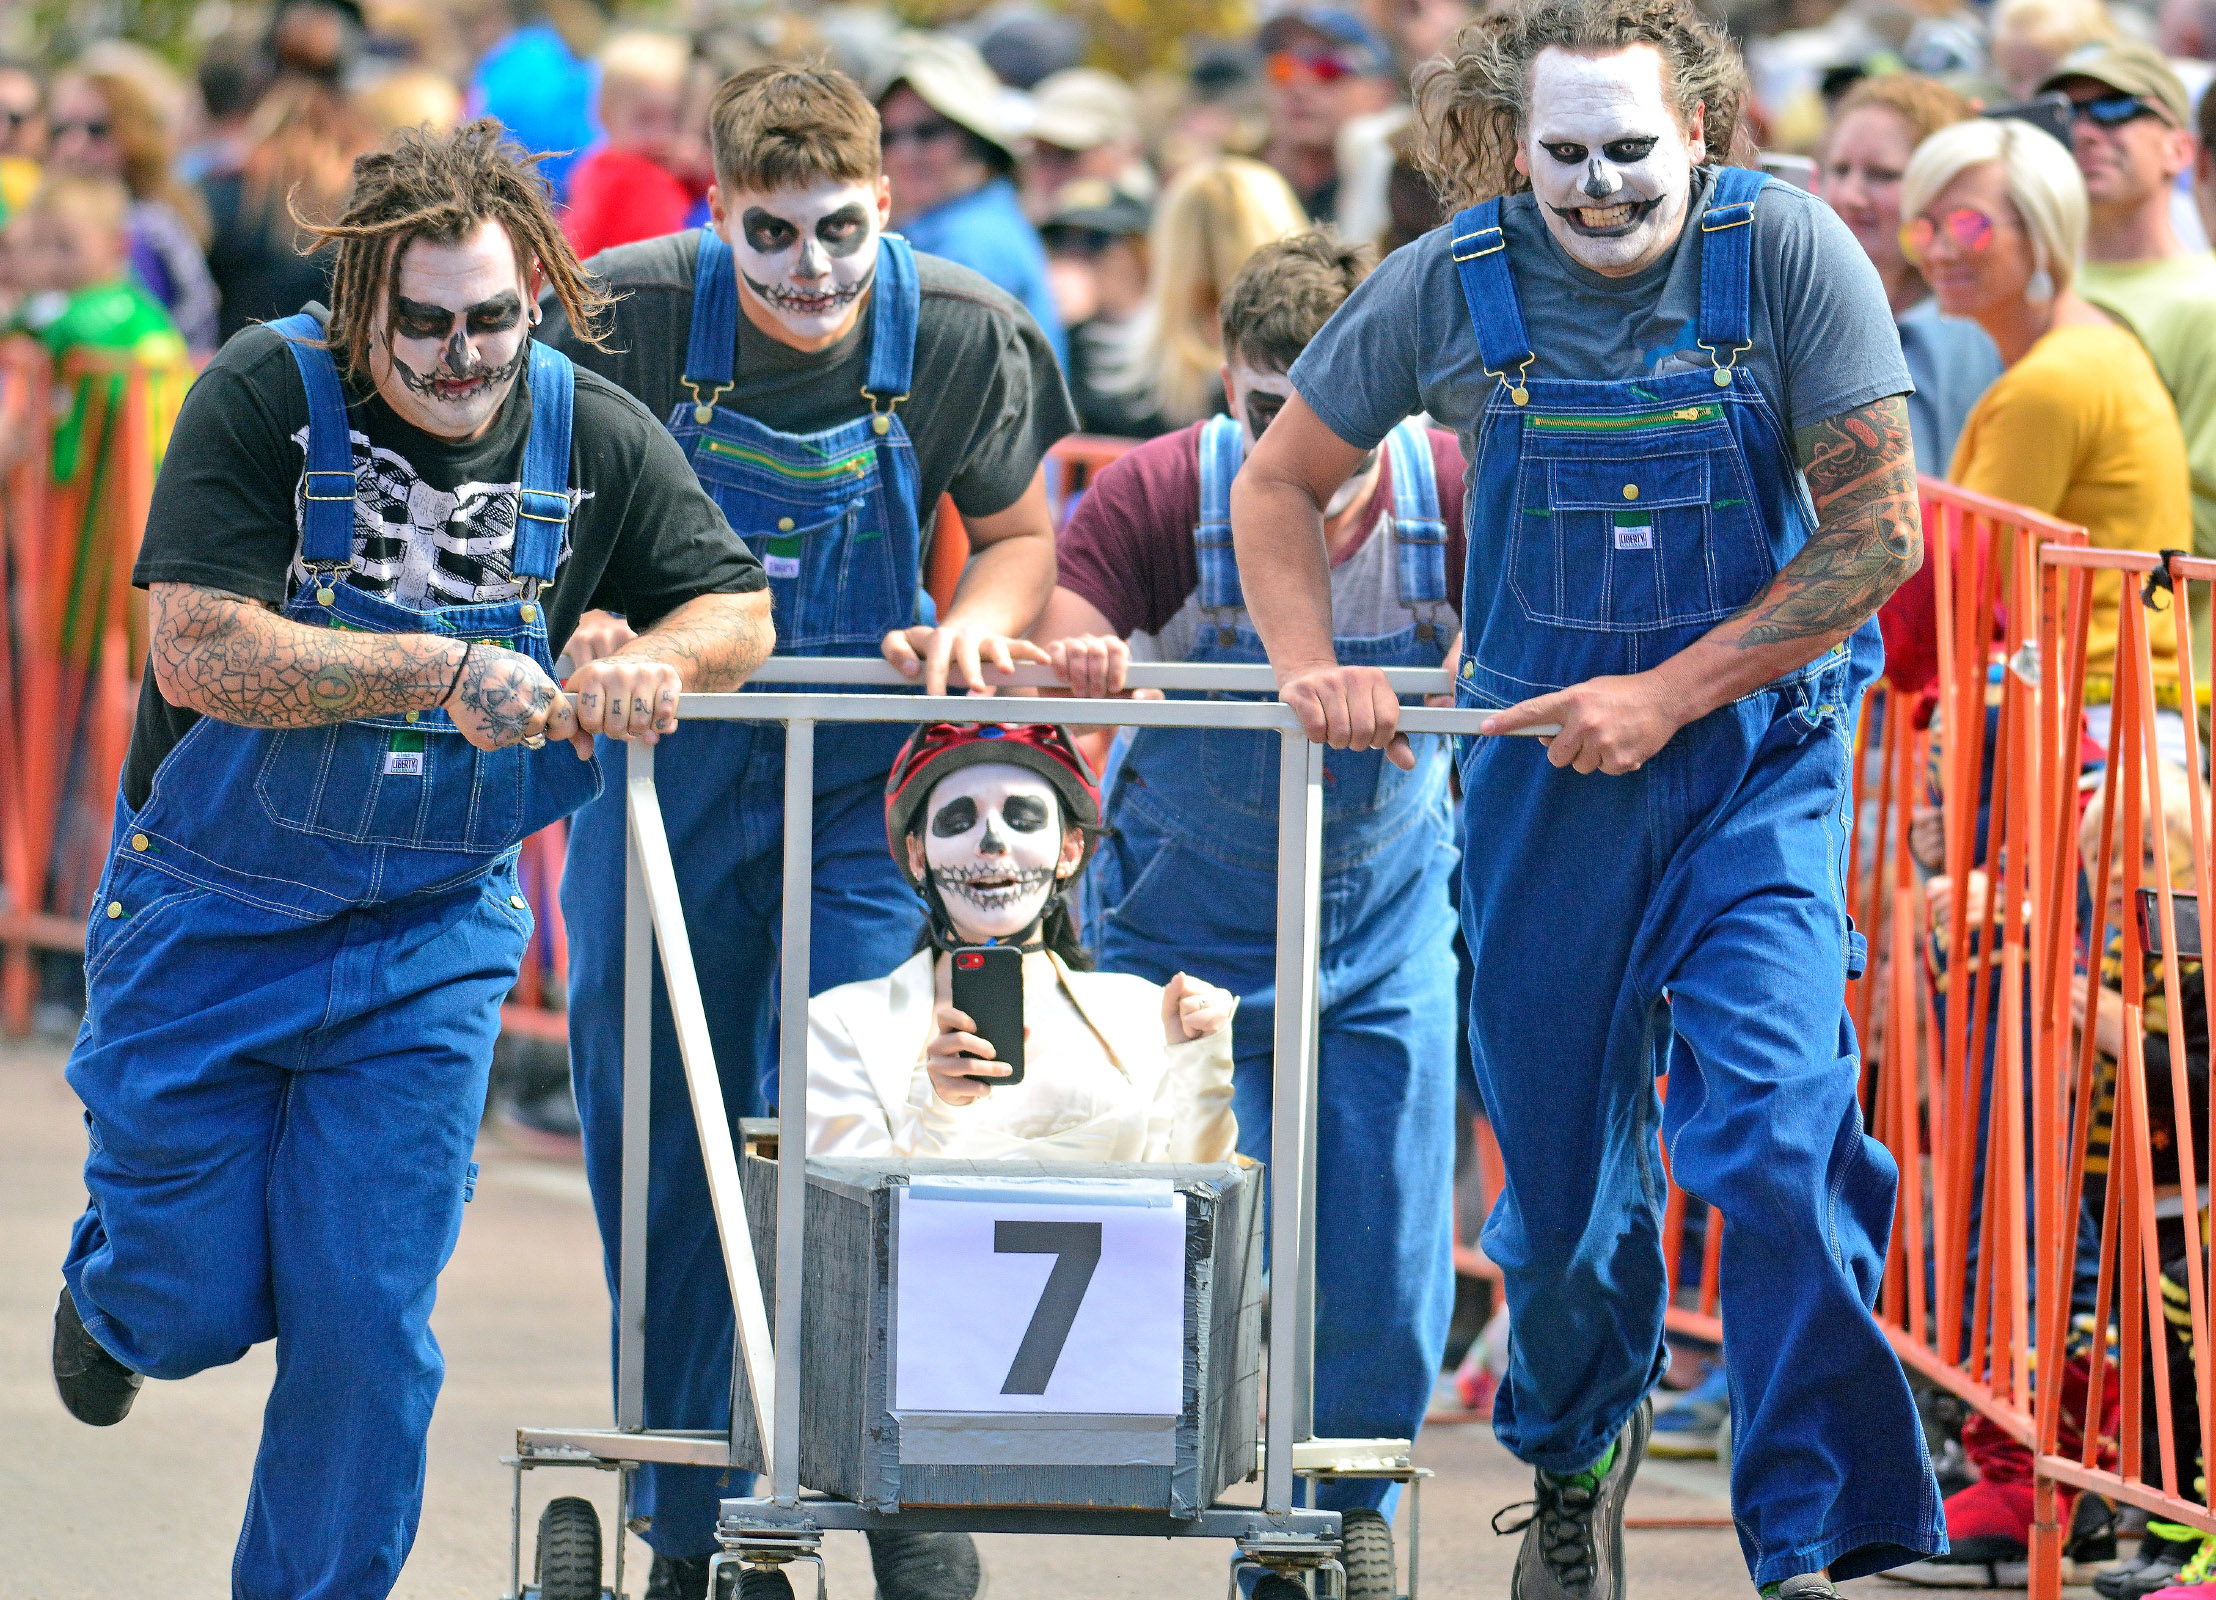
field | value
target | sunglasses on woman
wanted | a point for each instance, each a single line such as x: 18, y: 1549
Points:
x: 1970, y: 230
x: 1325, y: 66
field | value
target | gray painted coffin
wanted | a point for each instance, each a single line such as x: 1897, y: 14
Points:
x: 854, y: 1445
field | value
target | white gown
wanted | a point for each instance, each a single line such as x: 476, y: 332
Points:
x: 1099, y: 1083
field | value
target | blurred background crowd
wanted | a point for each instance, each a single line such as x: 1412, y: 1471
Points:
x: 1109, y: 162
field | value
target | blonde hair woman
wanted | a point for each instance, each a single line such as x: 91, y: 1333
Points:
x: 1211, y: 219
x: 2030, y: 37
x: 2078, y: 425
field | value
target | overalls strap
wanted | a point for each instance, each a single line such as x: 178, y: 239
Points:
x: 1727, y: 262
x: 1481, y: 258
x: 1419, y: 533
x: 1222, y: 449
x: 715, y: 320
x: 542, y: 502
x: 897, y: 308
x: 327, y: 524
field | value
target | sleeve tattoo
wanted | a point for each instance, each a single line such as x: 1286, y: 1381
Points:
x: 237, y: 660
x: 1861, y: 468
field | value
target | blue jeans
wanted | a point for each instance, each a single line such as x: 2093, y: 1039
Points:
x: 281, y: 1115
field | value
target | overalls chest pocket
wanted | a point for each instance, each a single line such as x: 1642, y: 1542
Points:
x: 422, y: 789
x: 830, y: 572
x: 1658, y: 535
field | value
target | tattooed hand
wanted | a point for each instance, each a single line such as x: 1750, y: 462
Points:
x: 503, y: 698
x: 626, y: 697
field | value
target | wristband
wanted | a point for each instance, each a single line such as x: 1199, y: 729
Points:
x: 459, y: 667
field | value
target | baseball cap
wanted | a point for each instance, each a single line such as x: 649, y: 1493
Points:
x: 1083, y: 109
x: 950, y: 77
x: 1341, y: 27
x: 1097, y: 206
x: 2130, y: 68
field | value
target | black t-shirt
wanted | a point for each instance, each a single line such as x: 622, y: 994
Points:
x: 985, y: 402
x: 434, y: 521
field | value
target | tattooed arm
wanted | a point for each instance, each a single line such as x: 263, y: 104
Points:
x: 236, y: 660
x: 708, y: 645
x: 1861, y: 470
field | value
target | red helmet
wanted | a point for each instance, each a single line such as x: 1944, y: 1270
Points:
x: 938, y: 748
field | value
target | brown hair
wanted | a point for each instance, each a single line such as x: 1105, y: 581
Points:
x: 148, y: 154
x: 1925, y: 104
x: 1286, y: 292
x: 780, y: 127
x: 441, y: 186
x: 1473, y: 100
x: 302, y: 140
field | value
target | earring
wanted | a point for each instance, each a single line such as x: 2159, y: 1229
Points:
x: 2040, y: 285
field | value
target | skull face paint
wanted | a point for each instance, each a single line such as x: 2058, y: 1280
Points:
x: 445, y: 352
x: 806, y: 256
x: 993, y: 844
x: 1608, y: 162
x: 1256, y: 399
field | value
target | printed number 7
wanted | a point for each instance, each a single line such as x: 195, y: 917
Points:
x: 1075, y: 1247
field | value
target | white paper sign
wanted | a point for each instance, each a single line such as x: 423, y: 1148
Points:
x: 1040, y: 1297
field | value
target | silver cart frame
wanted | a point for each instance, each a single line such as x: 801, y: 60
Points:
x: 784, y: 1525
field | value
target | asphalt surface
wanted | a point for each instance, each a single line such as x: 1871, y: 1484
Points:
x: 151, y: 1508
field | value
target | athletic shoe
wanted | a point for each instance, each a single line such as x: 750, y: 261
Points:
x: 1688, y: 1431
x: 97, y: 1388
x: 2196, y: 1579
x: 1573, y: 1546
x: 925, y: 1566
x: 677, y: 1578
x: 1807, y: 1586
x: 2161, y: 1556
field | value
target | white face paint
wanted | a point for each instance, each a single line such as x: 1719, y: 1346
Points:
x: 1610, y: 165
x: 446, y: 351
x: 1256, y: 399
x: 993, y: 843
x: 805, y: 255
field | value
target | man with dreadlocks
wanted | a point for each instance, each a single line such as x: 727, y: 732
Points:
x: 369, y: 523
x: 1692, y: 485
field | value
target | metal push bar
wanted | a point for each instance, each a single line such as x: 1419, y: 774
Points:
x: 767, y: 1364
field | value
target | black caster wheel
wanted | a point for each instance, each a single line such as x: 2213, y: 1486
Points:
x: 569, y: 1550
x: 1276, y: 1586
x: 765, y: 1583
x: 1367, y: 1554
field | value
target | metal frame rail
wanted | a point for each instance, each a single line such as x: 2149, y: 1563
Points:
x: 783, y: 1525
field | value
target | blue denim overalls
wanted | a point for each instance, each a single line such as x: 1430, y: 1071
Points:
x: 833, y: 517
x: 1690, y: 915
x: 293, y: 981
x: 1193, y: 808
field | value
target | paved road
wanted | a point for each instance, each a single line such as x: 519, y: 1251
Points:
x: 152, y: 1507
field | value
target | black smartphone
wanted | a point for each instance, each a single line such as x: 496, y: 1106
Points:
x: 2187, y: 912
x: 988, y: 989
x: 2051, y: 114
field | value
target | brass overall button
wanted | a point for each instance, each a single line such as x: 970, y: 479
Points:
x: 1631, y: 491
x: 519, y: 902
x: 139, y: 841
x: 784, y: 524
x: 115, y: 908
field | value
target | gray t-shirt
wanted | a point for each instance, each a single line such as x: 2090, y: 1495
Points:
x: 1824, y: 340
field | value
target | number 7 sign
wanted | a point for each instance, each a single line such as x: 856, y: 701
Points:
x: 1008, y: 1298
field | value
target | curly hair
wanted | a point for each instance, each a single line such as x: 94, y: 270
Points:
x: 1286, y: 292
x: 1473, y: 100
x: 442, y: 186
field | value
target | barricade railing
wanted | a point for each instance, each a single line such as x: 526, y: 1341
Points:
x: 85, y: 438
x: 2128, y: 1156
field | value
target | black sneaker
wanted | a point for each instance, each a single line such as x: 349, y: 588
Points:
x: 97, y: 1388
x: 1573, y: 1547
x: 678, y: 1578
x: 925, y: 1566
x: 2157, y: 1562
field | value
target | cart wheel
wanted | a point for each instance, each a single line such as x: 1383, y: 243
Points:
x: 569, y: 1550
x: 765, y: 1583
x: 1367, y: 1554
x: 1276, y: 1586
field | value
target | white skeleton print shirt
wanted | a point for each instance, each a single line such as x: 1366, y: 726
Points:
x: 421, y: 546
